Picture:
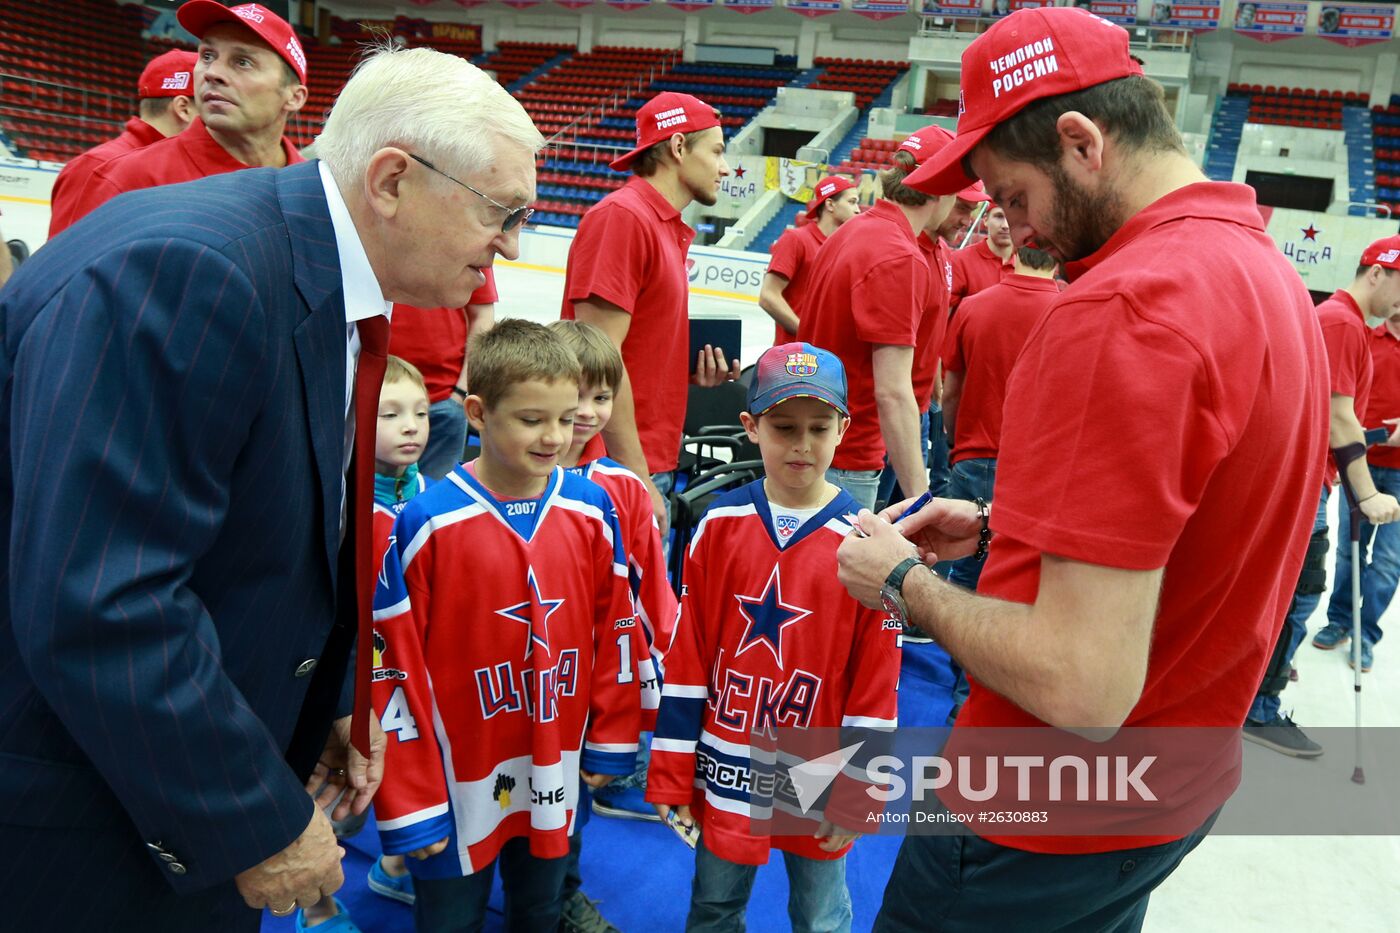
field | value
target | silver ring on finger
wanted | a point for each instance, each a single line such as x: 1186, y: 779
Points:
x: 283, y: 911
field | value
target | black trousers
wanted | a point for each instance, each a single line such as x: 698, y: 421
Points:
x: 962, y: 884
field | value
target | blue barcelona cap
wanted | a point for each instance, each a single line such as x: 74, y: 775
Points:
x: 797, y: 370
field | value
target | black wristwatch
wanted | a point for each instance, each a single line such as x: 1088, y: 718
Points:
x: 460, y: 392
x: 891, y: 592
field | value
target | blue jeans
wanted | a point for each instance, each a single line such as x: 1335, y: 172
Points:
x: 1380, y: 565
x: 929, y: 421
x: 1295, y: 623
x: 818, y: 901
x: 533, y: 894
x: 863, y: 485
x: 447, y: 436
x: 971, y: 479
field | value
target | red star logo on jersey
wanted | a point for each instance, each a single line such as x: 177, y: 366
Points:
x: 524, y: 613
x: 768, y: 616
x: 738, y: 171
x: 1310, y: 233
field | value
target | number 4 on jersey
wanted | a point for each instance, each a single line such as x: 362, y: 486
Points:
x: 398, y: 719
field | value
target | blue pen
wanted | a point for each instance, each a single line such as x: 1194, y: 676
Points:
x: 919, y: 503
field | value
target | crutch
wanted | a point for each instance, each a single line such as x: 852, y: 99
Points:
x: 1344, y: 456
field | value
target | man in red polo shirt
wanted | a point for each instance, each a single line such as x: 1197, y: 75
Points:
x: 1380, y: 563
x: 1374, y: 291
x: 984, y: 339
x: 250, y: 77
x: 983, y: 264
x: 835, y: 200
x: 869, y: 287
x: 165, y: 107
x: 1139, y: 567
x: 627, y: 275
x: 436, y: 340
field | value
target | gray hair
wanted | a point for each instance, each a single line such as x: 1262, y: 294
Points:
x: 424, y: 100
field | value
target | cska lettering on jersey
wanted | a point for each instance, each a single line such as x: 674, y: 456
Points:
x: 746, y: 702
x: 505, y: 688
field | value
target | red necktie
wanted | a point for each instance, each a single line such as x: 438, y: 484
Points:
x: 369, y: 376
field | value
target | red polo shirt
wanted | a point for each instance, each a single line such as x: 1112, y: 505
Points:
x: 1149, y: 425
x: 74, y: 177
x: 630, y: 251
x: 933, y: 323
x: 976, y: 268
x: 182, y: 157
x: 868, y: 288
x: 791, y: 255
x: 984, y: 340
x: 1384, y: 401
x: 435, y: 339
x: 1348, y: 355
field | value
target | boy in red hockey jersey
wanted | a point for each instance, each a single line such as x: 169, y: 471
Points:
x: 653, y: 600
x: 768, y: 638
x: 503, y: 622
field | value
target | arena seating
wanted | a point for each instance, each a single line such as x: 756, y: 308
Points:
x: 77, y: 74
x: 865, y: 79
x: 1386, y: 126
x: 1300, y: 107
x: 514, y: 60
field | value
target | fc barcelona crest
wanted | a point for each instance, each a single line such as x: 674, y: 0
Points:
x: 801, y: 364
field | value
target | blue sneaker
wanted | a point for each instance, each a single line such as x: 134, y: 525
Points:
x: 1366, y: 658
x: 1331, y: 636
x: 627, y: 803
x: 385, y: 884
x: 340, y: 923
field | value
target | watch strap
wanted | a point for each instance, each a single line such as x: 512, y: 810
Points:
x: 895, y: 581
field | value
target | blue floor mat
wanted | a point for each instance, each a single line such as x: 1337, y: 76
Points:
x: 641, y: 873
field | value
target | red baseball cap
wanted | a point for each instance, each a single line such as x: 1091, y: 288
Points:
x: 199, y: 15
x: 1384, y: 252
x: 923, y: 143
x: 170, y: 74
x: 660, y: 118
x: 975, y: 193
x: 826, y: 188
x: 1031, y: 54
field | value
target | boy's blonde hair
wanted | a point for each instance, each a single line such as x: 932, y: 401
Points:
x: 598, y: 356
x: 398, y: 369
x: 516, y: 351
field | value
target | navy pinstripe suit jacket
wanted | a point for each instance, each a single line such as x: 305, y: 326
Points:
x: 171, y: 438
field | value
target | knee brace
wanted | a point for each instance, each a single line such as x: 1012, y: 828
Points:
x: 1312, y: 579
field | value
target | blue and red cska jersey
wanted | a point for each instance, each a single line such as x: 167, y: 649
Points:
x: 653, y: 601
x: 499, y: 668
x: 768, y: 638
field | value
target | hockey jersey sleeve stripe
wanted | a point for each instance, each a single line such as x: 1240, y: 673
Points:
x: 410, y: 818
x: 611, y: 748
x: 679, y: 717
x: 868, y: 722
x: 726, y: 511
x: 388, y: 612
x: 604, y: 762
x: 681, y: 746
x: 437, y: 522
x: 687, y: 691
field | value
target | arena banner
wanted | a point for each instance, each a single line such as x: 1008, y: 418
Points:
x: 1122, y: 12
x: 522, y: 4
x: 1271, y: 21
x: 470, y: 4
x: 880, y: 9
x: 1324, y: 248
x: 952, y: 9
x: 628, y: 4
x: 747, y: 6
x: 465, y: 32
x: 1200, y: 15
x: 1003, y: 7
x: 690, y: 6
x: 813, y: 8
x: 1350, y: 25
x: 573, y: 4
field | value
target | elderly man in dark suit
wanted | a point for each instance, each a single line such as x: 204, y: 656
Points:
x: 187, y: 576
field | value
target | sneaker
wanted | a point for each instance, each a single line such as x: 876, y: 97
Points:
x: 340, y: 923
x: 580, y: 915
x: 1366, y: 658
x: 910, y: 635
x: 383, y: 883
x: 1283, y: 736
x: 1331, y: 636
x: 627, y: 803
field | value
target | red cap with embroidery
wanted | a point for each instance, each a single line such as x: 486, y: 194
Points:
x: 1384, y: 252
x: 1031, y: 54
x: 665, y: 115
x: 827, y: 188
x: 974, y: 194
x: 923, y: 143
x: 198, y: 15
x: 168, y: 75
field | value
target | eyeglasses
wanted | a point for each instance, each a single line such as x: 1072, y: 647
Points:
x: 515, y: 216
